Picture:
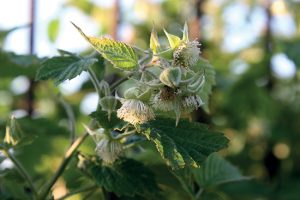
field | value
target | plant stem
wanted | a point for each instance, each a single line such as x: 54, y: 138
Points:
x: 22, y: 171
x: 95, y: 81
x: 199, y: 193
x: 118, y: 82
x: 68, y: 155
x: 79, y: 190
x: 126, y: 134
x: 141, y: 50
x: 71, y: 117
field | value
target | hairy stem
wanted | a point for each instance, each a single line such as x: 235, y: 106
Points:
x: 71, y: 117
x: 199, y: 193
x: 95, y: 81
x: 79, y: 190
x: 118, y: 82
x: 67, y: 158
x: 22, y: 172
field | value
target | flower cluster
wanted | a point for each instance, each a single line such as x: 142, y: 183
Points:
x: 169, y: 85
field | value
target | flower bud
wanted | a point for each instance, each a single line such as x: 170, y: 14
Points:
x: 131, y: 93
x: 109, y: 150
x: 135, y: 112
x: 108, y: 104
x: 171, y: 77
x: 187, y: 54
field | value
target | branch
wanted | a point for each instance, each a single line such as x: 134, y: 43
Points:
x: 68, y: 155
x: 71, y: 117
x: 199, y: 193
x: 22, y: 172
x: 95, y: 81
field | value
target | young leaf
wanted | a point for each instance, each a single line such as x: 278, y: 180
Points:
x: 174, y: 41
x: 127, y: 177
x: 188, y: 144
x: 118, y: 53
x: 13, y: 133
x: 63, y: 68
x: 185, y: 36
x: 216, y: 170
x: 210, y: 81
x: 154, y: 43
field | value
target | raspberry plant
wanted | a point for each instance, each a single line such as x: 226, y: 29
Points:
x: 167, y: 83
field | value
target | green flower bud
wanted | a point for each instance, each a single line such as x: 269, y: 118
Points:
x: 108, y: 104
x: 171, y: 77
x: 131, y: 93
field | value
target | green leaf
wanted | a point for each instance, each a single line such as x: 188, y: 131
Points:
x: 127, y: 177
x: 216, y: 170
x: 13, y: 65
x: 104, y: 122
x: 174, y: 41
x: 63, y: 68
x: 118, y: 53
x: 154, y: 43
x: 210, y: 81
x: 188, y: 144
x: 53, y: 29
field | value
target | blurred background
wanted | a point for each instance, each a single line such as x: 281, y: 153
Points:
x: 254, y: 46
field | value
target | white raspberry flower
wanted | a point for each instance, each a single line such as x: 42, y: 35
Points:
x: 187, y: 54
x: 135, y: 111
x: 109, y: 150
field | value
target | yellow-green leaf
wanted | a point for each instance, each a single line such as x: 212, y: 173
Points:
x: 174, y: 41
x: 118, y: 53
x: 185, y: 36
x: 154, y: 43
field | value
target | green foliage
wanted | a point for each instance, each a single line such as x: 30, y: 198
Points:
x: 127, y: 177
x: 23, y: 64
x: 216, y: 170
x: 154, y: 43
x: 63, y: 68
x: 102, y: 118
x: 119, y: 54
x: 174, y: 40
x: 205, y: 92
x: 173, y: 146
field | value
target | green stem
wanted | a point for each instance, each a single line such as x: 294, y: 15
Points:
x: 79, y: 190
x: 118, y: 82
x: 141, y: 50
x: 126, y: 134
x: 67, y: 158
x: 71, y: 117
x: 95, y: 81
x: 199, y: 193
x: 22, y: 172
